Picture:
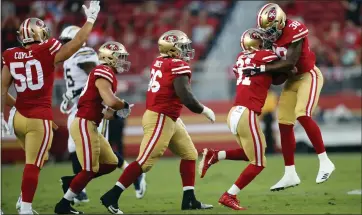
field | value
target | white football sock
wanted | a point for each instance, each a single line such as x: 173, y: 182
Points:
x: 290, y: 169
x: 188, y: 188
x: 323, y: 157
x: 221, y: 155
x: 118, y: 184
x: 234, y: 190
x: 25, y: 206
x: 69, y: 195
x: 125, y: 165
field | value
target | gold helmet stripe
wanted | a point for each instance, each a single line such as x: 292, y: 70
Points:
x: 261, y: 12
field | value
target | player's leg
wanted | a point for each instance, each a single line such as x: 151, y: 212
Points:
x: 307, y: 99
x: 182, y: 145
x: 158, y: 130
x: 286, y: 120
x: 253, y: 142
x: 212, y: 156
x: 38, y: 137
x: 86, y: 138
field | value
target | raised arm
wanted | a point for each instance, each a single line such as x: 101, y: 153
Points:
x: 109, y: 99
x: 80, y: 38
x: 183, y: 91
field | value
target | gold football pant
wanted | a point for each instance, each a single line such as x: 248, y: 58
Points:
x: 248, y: 134
x: 160, y: 133
x: 300, y: 96
x: 91, y: 146
x: 35, y: 137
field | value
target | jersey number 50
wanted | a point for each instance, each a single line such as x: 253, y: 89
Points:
x: 154, y: 85
x: 26, y: 80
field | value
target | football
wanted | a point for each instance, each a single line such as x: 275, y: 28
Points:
x: 279, y: 78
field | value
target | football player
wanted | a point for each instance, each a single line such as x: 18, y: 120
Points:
x: 251, y: 93
x: 169, y: 89
x: 31, y: 68
x: 96, y: 101
x: 76, y: 70
x: 300, y: 94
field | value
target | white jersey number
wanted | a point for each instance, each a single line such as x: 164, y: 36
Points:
x: 154, y: 85
x: 27, y: 80
x: 240, y: 63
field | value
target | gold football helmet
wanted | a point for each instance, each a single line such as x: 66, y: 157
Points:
x: 271, y: 19
x: 176, y: 44
x: 251, y: 40
x: 114, y: 54
x: 33, y: 30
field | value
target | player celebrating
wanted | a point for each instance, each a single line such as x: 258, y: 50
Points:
x: 300, y: 94
x: 242, y: 120
x: 76, y: 70
x: 93, y: 150
x: 168, y: 90
x: 31, y: 68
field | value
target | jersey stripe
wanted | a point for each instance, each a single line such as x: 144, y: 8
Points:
x: 271, y: 57
x: 53, y: 46
x: 56, y: 49
x: 300, y: 34
x: 104, y: 76
x: 182, y: 72
x: 104, y: 71
x: 180, y: 68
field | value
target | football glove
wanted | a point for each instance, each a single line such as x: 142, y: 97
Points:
x: 250, y: 70
x: 4, y: 126
x: 92, y: 11
x: 209, y: 114
x: 125, y: 112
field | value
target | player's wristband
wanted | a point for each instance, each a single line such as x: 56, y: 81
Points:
x: 262, y: 68
x: 115, y: 115
x: 91, y: 20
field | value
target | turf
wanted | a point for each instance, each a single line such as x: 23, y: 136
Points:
x: 164, y: 188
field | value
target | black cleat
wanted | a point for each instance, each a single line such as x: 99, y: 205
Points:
x: 189, y: 202
x: 110, y: 201
x: 63, y: 207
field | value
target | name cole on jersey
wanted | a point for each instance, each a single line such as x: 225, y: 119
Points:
x: 161, y: 95
x: 34, y: 88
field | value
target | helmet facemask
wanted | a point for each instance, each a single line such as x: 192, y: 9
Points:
x: 122, y: 65
x: 187, y: 53
x: 272, y: 33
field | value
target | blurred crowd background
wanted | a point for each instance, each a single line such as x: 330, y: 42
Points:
x: 215, y: 28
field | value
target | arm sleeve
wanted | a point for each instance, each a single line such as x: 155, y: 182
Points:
x: 179, y: 67
x: 100, y: 72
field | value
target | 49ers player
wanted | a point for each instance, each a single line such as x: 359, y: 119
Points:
x: 31, y: 68
x: 251, y: 93
x: 93, y: 150
x: 169, y: 89
x: 301, y: 92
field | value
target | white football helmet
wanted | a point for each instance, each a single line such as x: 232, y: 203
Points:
x: 114, y: 54
x: 174, y: 44
x: 69, y: 32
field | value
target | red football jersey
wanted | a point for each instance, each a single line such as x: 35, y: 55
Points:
x: 33, y: 73
x: 161, y: 94
x: 251, y: 91
x: 292, y: 32
x: 90, y: 101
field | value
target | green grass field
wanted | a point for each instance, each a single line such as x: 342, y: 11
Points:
x: 164, y: 188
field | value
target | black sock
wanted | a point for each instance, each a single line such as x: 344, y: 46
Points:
x: 75, y: 163
x: 120, y: 159
x: 117, y: 191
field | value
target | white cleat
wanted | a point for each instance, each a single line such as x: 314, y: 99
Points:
x: 288, y: 180
x: 18, y: 204
x: 140, y: 193
x: 114, y: 210
x: 325, y: 171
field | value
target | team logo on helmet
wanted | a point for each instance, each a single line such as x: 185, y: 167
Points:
x: 39, y: 23
x: 171, y: 38
x: 255, y: 35
x: 272, y: 14
x: 112, y: 47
